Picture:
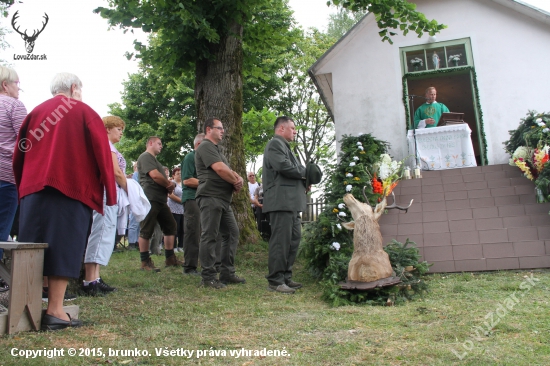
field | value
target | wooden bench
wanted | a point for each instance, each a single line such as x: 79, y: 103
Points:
x: 25, y: 281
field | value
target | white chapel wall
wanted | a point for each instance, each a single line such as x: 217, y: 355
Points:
x: 510, y: 52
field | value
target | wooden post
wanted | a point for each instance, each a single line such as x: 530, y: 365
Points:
x: 25, y: 281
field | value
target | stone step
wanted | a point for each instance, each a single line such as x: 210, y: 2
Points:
x: 488, y: 256
x: 442, y: 233
x: 490, y: 264
x: 472, y: 219
x: 506, y: 177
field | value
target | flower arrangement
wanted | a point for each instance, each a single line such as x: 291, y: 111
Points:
x: 390, y: 172
x: 532, y: 131
x: 455, y: 58
x: 377, y: 186
x: 531, y: 162
x: 327, y: 247
x: 417, y: 62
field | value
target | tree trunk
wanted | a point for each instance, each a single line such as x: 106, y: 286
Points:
x: 219, y: 94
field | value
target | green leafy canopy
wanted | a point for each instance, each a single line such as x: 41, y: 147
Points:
x: 393, y: 14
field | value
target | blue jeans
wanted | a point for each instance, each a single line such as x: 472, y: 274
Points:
x: 133, y: 230
x: 8, y: 197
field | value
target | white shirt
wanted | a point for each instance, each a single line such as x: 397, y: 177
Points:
x: 252, y: 188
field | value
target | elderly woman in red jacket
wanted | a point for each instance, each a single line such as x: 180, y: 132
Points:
x: 62, y: 166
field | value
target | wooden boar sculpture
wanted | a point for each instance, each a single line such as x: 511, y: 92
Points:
x: 369, y: 261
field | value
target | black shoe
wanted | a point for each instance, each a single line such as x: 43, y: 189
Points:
x: 191, y: 272
x: 69, y: 297
x: 212, y: 284
x: 232, y: 279
x: 50, y: 322
x: 3, y: 286
x: 294, y: 285
x: 92, y: 289
x: 105, y: 287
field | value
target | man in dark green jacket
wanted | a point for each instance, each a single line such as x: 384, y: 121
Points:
x: 284, y: 199
x: 217, y: 182
x: 192, y: 214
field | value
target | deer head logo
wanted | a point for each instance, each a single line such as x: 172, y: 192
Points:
x: 29, y: 40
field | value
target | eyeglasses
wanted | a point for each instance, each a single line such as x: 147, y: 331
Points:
x: 218, y: 127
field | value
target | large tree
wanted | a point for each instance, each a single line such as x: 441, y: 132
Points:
x: 207, y: 37
x: 4, y: 30
x: 157, y: 105
x: 342, y: 21
x: 299, y: 98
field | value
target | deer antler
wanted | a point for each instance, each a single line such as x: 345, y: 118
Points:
x: 43, y: 26
x: 341, y: 219
x: 15, y: 16
x: 394, y: 205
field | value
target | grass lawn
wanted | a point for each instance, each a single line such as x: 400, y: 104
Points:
x: 167, y: 311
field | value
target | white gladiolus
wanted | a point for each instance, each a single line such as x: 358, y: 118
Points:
x: 352, y: 163
x: 359, y: 143
x: 349, y: 175
x: 341, y: 206
x: 339, y: 226
x: 343, y: 214
x: 348, y: 188
x: 522, y: 152
x: 385, y: 158
x: 538, y: 120
x: 335, y: 245
x: 361, y: 148
x: 355, y: 158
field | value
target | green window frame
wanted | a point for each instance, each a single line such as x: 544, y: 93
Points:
x: 450, y: 54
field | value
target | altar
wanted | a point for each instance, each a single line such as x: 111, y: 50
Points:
x: 446, y: 147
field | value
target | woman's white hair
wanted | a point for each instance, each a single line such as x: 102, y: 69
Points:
x: 63, y: 81
x: 8, y: 75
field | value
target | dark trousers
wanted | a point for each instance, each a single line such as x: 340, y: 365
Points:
x: 178, y: 243
x: 191, y: 234
x: 217, y: 218
x: 8, y: 197
x: 262, y: 220
x: 286, y: 232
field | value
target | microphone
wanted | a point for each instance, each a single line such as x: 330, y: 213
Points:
x: 417, y: 96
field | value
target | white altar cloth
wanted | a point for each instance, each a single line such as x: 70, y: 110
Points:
x: 446, y: 147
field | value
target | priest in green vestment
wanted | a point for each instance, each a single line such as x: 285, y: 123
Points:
x: 428, y: 114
